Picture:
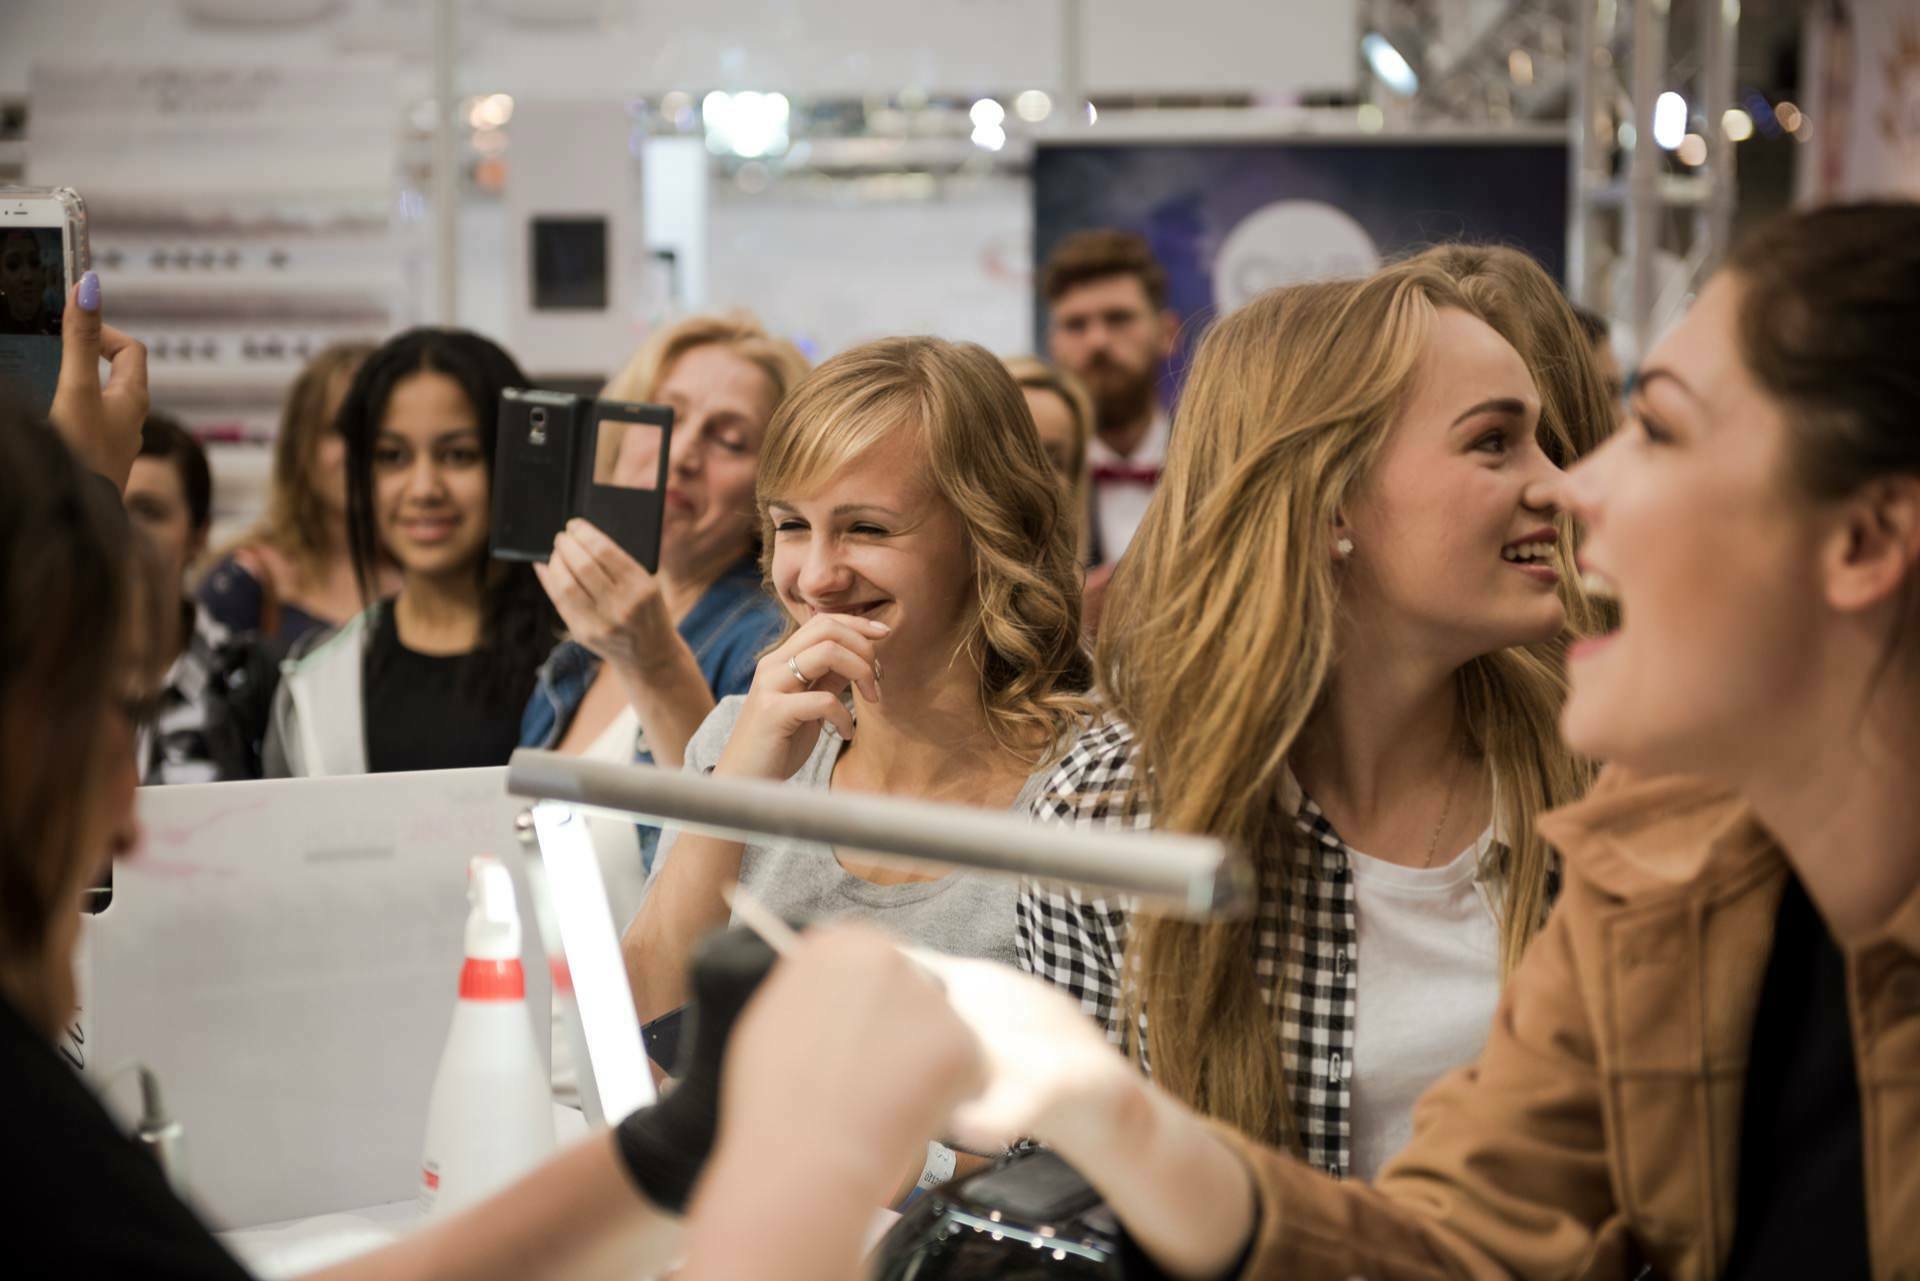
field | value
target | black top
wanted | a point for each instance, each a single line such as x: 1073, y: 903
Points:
x: 420, y: 714
x: 82, y: 1199
x: 1802, y: 1210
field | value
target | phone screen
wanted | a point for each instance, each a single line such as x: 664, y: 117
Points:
x: 627, y: 455
x: 33, y: 294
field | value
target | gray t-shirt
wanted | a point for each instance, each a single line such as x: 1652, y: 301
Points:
x: 964, y: 913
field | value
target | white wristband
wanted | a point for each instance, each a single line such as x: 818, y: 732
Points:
x: 938, y: 1169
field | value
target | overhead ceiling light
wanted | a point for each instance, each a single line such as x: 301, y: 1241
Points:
x: 1669, y: 120
x: 1388, y: 64
x: 1033, y: 105
x: 748, y: 124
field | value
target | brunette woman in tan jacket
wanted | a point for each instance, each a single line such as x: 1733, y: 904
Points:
x: 1709, y: 1060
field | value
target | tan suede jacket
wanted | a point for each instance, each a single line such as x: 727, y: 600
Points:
x: 1601, y: 1126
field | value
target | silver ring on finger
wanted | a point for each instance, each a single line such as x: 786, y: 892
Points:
x: 793, y: 665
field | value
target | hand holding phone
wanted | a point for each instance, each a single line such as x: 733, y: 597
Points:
x: 51, y: 336
x: 607, y: 599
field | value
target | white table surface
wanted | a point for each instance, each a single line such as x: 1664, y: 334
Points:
x: 278, y: 1250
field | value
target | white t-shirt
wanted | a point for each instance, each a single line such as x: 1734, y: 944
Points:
x: 1429, y: 979
x: 1119, y: 505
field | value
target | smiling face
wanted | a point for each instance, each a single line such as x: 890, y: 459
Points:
x: 1691, y: 521
x: 430, y: 485
x: 721, y: 403
x: 877, y: 540
x: 1454, y: 543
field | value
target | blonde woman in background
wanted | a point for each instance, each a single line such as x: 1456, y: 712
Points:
x: 1337, y: 643
x: 1062, y: 413
x: 292, y: 573
x: 648, y: 655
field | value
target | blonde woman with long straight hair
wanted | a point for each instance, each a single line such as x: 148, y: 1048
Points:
x: 1336, y: 643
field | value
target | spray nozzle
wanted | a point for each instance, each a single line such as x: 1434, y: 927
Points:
x: 493, y: 921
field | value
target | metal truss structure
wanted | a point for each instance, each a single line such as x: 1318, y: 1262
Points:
x: 1643, y: 226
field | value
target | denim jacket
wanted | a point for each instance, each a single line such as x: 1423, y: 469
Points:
x: 726, y: 629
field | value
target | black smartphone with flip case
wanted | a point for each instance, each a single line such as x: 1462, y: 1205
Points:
x: 558, y: 456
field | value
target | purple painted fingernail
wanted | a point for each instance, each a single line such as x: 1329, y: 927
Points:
x: 90, y: 292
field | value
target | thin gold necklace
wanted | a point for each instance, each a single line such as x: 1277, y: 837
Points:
x: 1446, y: 812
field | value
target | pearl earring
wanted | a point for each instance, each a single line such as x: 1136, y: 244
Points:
x: 1344, y: 547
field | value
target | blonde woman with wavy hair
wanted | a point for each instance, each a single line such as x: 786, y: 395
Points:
x: 1336, y: 643
x: 914, y: 534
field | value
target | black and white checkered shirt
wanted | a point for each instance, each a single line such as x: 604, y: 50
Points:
x: 1305, y: 924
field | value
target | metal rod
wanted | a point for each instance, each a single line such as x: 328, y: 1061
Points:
x: 1643, y: 175
x: 446, y: 165
x: 1580, y: 153
x: 1719, y: 26
x: 1073, y: 78
x: 1188, y: 875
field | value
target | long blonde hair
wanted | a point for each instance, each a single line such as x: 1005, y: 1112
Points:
x: 984, y: 458
x: 1220, y: 643
x: 296, y: 522
x: 1031, y: 373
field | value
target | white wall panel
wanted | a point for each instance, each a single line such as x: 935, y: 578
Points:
x: 1220, y: 46
x: 802, y: 47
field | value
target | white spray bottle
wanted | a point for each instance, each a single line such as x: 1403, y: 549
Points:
x: 490, y: 1119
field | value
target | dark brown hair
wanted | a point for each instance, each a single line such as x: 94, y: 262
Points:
x: 1087, y: 256
x: 64, y: 596
x: 1827, y: 325
x: 164, y: 438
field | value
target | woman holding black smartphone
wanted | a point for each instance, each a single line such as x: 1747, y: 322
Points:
x: 436, y: 677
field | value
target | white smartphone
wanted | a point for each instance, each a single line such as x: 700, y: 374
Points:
x: 43, y: 251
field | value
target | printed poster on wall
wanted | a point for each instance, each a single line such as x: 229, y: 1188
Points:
x: 1230, y: 220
